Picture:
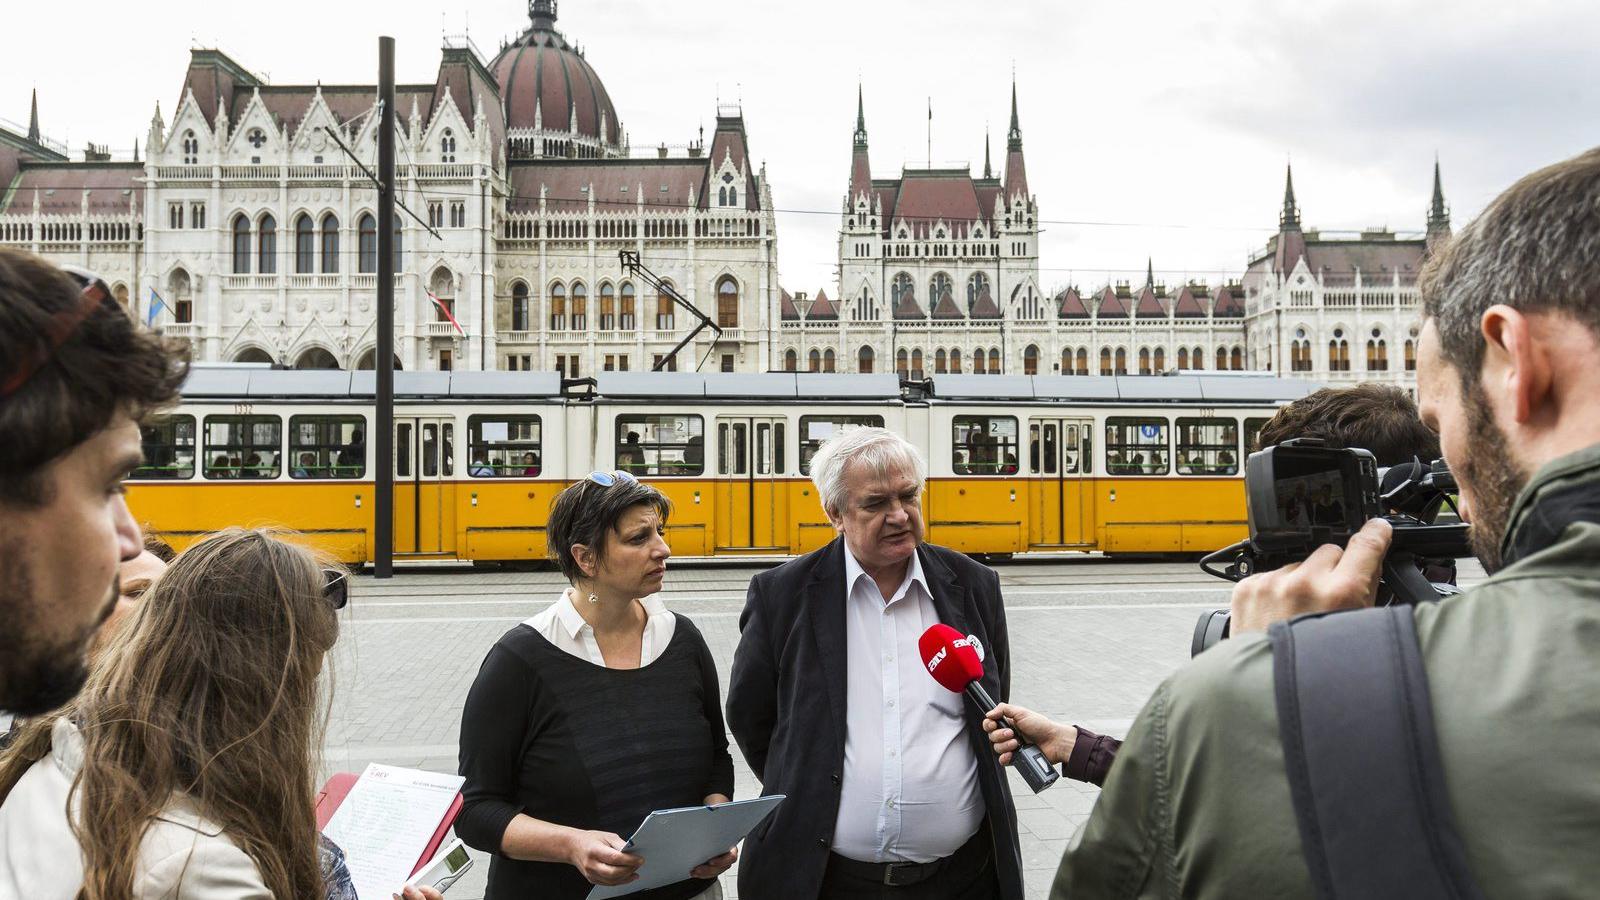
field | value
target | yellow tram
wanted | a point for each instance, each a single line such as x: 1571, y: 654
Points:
x: 1121, y: 464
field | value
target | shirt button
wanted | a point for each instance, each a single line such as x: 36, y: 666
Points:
x: 891, y: 804
x: 822, y: 842
x: 891, y: 704
x: 836, y: 779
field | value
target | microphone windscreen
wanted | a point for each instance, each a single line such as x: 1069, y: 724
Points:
x: 949, y: 657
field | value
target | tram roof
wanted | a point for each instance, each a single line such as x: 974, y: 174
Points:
x: 231, y: 382
x: 763, y: 385
x: 1123, y: 388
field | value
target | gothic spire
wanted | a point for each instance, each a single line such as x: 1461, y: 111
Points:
x: 861, y: 118
x: 1149, y: 272
x: 1014, y: 136
x: 988, y: 170
x: 1438, y: 213
x: 33, y: 118
x: 1290, y: 216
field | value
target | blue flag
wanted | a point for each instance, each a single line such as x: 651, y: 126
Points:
x: 156, y: 305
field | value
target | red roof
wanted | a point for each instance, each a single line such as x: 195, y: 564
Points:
x: 984, y: 307
x: 946, y: 307
x: 1111, y: 306
x: 1016, y: 174
x: 1228, y: 303
x: 926, y: 199
x: 1070, y: 306
x: 60, y: 186
x: 907, y: 308
x: 860, y: 173
x: 541, y: 70
x: 786, y: 308
x: 1188, y: 305
x: 822, y: 307
x: 667, y: 183
x: 729, y: 142
x: 1149, y: 306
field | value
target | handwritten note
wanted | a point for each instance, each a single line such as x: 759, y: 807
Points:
x: 384, y: 824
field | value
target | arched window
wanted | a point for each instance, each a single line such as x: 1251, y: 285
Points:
x: 664, y: 309
x: 1066, y: 361
x: 608, y: 307
x: 938, y: 287
x: 727, y: 302
x: 1122, y: 361
x: 814, y: 361
x: 791, y: 360
x: 558, y: 307
x: 722, y: 196
x: 733, y: 196
x: 1236, y: 361
x: 955, y: 361
x: 267, y: 245
x: 1159, y: 362
x: 1333, y: 356
x: 447, y: 147
x: 977, y: 286
x: 1183, y: 358
x: 305, y: 246
x: 367, y: 243
x: 916, y: 365
x: 398, y: 234
x: 330, y: 243
x: 980, y: 365
x: 902, y: 363
x: 900, y: 287
x: 1144, y: 360
x: 1105, y: 361
x: 1222, y: 358
x: 191, y: 149
x: 627, y: 318
x: 864, y: 360
x: 941, y: 362
x: 1083, y: 361
x: 1030, y: 360
x: 519, y: 306
x: 580, y: 306
x: 241, y: 245
x: 994, y: 362
x: 828, y: 360
x: 1198, y: 358
x: 1411, y: 355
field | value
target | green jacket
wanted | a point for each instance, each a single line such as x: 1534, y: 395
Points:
x: 1198, y: 805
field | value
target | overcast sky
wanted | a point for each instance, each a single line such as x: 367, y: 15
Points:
x: 1156, y: 129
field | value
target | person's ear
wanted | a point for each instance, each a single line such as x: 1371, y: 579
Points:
x: 836, y: 520
x: 585, y: 558
x: 1515, y: 365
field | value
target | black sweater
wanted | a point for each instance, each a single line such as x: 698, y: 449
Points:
x: 561, y: 739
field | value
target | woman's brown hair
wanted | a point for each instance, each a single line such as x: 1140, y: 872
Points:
x: 210, y: 692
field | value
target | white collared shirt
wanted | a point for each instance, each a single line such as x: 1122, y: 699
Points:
x: 561, y: 625
x: 910, y: 788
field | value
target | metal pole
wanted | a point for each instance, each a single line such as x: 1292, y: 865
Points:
x: 383, y: 501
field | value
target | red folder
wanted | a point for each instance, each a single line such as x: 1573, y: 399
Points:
x: 338, y: 787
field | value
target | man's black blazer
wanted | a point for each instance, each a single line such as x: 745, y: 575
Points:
x: 786, y: 708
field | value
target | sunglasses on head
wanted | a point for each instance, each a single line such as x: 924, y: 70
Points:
x: 607, y: 479
x: 337, y: 587
x: 63, y: 324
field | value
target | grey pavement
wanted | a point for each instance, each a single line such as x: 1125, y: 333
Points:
x: 1090, y: 639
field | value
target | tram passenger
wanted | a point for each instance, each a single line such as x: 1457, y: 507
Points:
x: 630, y: 456
x: 828, y: 658
x: 353, y: 456
x: 694, y: 455
x: 76, y: 377
x: 480, y: 467
x: 599, y: 709
x: 982, y: 453
x: 185, y: 767
x: 307, y: 466
x: 530, y: 463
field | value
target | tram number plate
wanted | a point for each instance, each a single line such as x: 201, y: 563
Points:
x: 243, y: 409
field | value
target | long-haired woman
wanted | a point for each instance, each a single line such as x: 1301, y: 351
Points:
x: 186, y: 767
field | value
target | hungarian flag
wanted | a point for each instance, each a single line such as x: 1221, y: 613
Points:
x: 446, y: 310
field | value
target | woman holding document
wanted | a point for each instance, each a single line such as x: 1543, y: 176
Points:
x: 593, y: 713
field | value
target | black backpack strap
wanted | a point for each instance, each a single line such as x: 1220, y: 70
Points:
x: 1363, y: 759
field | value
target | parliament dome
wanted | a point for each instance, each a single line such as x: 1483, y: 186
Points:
x: 555, y: 103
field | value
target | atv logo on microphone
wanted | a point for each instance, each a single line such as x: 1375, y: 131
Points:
x: 937, y: 658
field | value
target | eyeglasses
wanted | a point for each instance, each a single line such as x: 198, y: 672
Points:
x: 607, y: 479
x: 63, y: 324
x: 337, y: 587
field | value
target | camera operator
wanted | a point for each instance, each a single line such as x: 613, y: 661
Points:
x: 1379, y: 418
x: 1200, y: 803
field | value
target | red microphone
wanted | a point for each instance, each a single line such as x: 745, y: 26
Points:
x: 953, y: 661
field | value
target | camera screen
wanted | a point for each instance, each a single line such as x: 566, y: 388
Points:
x: 1310, y: 491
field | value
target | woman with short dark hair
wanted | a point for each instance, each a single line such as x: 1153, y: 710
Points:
x: 593, y: 713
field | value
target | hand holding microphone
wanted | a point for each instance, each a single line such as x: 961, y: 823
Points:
x: 953, y: 661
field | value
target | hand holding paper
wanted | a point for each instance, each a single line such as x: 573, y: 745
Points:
x: 599, y: 856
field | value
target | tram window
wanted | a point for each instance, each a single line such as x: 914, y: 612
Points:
x: 661, y: 444
x: 327, y: 447
x: 243, y: 446
x: 816, y: 429
x: 1136, y: 446
x: 168, y: 448
x: 402, y: 450
x: 1208, y: 447
x: 777, y: 448
x: 733, y: 442
x: 1252, y: 433
x: 1042, y: 446
x: 985, y: 445
x: 449, y: 458
x: 504, y: 446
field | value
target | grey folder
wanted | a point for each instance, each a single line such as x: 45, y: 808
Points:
x: 674, y: 841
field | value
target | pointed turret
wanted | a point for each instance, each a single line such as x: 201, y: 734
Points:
x: 860, y: 166
x: 1016, y: 172
x: 1289, y: 217
x: 988, y: 170
x: 1291, y: 242
x: 33, y: 118
x: 1149, y: 272
x: 1438, y: 213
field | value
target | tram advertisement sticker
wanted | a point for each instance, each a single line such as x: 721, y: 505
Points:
x: 1149, y: 431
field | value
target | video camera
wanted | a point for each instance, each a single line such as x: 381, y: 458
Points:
x: 1303, y: 493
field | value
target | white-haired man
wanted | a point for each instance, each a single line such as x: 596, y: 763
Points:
x: 892, y: 790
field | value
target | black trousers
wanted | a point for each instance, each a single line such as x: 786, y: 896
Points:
x: 968, y: 874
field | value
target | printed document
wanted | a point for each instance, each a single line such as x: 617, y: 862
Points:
x: 385, y: 823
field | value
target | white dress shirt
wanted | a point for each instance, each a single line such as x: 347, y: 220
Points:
x: 910, y: 788
x: 561, y: 625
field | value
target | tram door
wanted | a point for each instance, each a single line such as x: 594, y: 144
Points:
x: 424, y: 492
x: 1061, y: 500
x: 752, y: 504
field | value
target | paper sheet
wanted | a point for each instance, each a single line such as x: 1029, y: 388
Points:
x: 385, y: 823
x: 674, y: 841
